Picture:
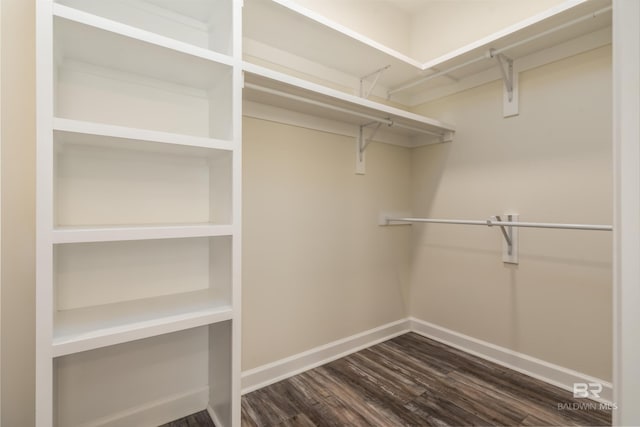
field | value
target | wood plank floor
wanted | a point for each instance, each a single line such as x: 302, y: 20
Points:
x: 199, y: 419
x: 413, y: 381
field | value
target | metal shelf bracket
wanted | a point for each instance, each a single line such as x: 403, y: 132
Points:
x: 365, y: 93
x: 363, y: 142
x: 510, y: 234
x: 510, y: 80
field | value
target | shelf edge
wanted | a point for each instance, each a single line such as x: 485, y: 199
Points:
x: 98, y: 22
x: 343, y: 97
x: 147, y: 329
x: 505, y: 32
x: 334, y: 26
x: 115, y: 234
x: 122, y: 132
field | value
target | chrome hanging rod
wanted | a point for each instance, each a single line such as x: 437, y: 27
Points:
x: 384, y: 121
x: 493, y: 52
x: 494, y: 222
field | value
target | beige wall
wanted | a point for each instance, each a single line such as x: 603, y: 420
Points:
x: 426, y: 29
x: 316, y: 266
x: 380, y: 20
x: 550, y: 164
x: 18, y: 211
x: 441, y: 26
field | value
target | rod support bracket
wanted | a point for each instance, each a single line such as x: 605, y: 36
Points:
x: 364, y: 92
x: 510, y: 80
x: 363, y: 142
x: 510, y: 234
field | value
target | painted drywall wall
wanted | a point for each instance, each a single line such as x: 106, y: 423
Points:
x: 18, y: 212
x: 552, y: 163
x: 427, y: 29
x: 380, y: 20
x: 440, y: 26
x: 316, y: 266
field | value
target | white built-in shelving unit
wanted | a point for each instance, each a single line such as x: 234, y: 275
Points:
x: 138, y: 211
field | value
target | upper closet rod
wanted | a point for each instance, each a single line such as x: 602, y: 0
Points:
x: 384, y: 121
x: 491, y: 53
x: 496, y: 222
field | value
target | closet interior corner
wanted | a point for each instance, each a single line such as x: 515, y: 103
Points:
x: 166, y: 171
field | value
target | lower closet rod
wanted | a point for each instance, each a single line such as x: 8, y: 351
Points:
x: 494, y: 221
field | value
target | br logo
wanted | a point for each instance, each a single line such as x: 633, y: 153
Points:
x: 587, y: 390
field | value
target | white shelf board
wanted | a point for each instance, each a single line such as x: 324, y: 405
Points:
x: 83, y: 234
x: 97, y: 44
x: 194, y: 9
x: 99, y: 326
x: 544, y: 29
x: 282, y: 83
x: 287, y: 27
x: 91, y: 133
x: 137, y: 34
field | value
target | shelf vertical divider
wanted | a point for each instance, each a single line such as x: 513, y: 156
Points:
x: 236, y: 197
x: 44, y: 214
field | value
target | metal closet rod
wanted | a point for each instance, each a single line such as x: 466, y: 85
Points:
x: 493, y: 222
x: 387, y: 122
x: 493, y: 52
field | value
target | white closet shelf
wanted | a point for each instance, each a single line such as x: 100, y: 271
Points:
x: 88, y: 328
x: 276, y: 26
x: 269, y: 87
x: 562, y: 23
x: 134, y: 34
x: 202, y: 23
x: 98, y: 134
x: 84, y: 38
x: 82, y: 234
x: 287, y: 27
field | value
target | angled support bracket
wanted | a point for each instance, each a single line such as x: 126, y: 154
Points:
x: 362, y: 143
x: 510, y: 80
x: 510, y: 234
x: 506, y: 69
x: 365, y: 93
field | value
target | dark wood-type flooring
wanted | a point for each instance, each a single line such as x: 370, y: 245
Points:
x: 199, y: 419
x: 412, y: 381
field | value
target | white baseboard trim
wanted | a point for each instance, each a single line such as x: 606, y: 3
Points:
x: 157, y: 412
x: 214, y: 417
x: 548, y: 372
x: 262, y: 376
x: 559, y: 376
